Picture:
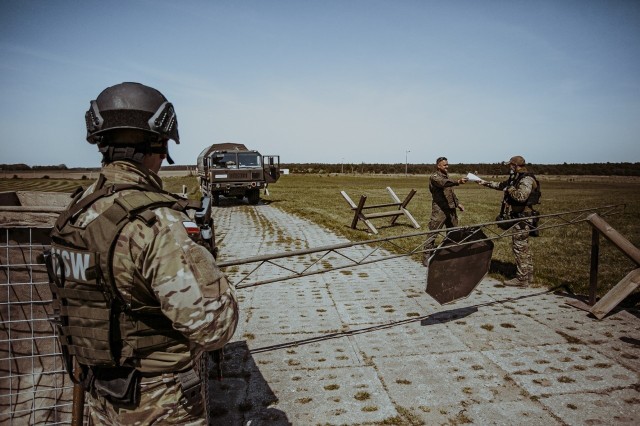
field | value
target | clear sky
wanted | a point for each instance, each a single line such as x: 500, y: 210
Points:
x: 332, y: 80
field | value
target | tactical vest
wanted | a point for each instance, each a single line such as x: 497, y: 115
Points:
x: 92, y: 318
x: 534, y: 197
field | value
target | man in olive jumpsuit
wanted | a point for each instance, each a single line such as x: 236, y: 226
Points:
x: 522, y: 190
x: 444, y: 202
x: 174, y: 303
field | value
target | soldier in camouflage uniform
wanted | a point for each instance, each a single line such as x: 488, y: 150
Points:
x: 444, y: 202
x: 520, y: 190
x: 172, y: 303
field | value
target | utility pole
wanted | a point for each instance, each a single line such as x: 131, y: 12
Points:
x: 406, y: 162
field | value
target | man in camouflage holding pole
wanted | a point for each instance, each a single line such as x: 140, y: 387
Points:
x: 521, y: 192
x: 444, y: 203
x: 138, y: 302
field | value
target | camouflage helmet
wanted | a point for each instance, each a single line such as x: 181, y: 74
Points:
x: 131, y: 106
x: 517, y: 161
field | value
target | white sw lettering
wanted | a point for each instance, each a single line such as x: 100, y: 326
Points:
x: 80, y: 263
x: 75, y: 263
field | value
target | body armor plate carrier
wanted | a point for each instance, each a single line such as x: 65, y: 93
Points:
x: 91, y: 317
x: 534, y: 197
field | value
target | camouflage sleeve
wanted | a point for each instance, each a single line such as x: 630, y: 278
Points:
x: 522, y: 191
x: 496, y: 185
x: 441, y: 181
x: 193, y: 293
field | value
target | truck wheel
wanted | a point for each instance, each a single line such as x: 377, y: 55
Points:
x: 240, y: 197
x: 253, y: 196
x: 216, y: 199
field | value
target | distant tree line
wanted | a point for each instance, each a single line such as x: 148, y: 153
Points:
x: 590, y: 169
x: 24, y: 167
x: 584, y: 169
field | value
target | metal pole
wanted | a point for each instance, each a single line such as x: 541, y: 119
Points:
x: 406, y: 161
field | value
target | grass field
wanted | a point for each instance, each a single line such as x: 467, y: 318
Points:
x: 561, y: 255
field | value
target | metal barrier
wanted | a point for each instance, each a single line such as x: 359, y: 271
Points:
x: 360, y: 253
x: 34, y: 387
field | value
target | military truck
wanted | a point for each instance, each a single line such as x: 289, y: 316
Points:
x: 232, y: 170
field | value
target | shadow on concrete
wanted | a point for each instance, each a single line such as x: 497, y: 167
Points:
x: 243, y: 396
x: 629, y: 304
x: 234, y: 202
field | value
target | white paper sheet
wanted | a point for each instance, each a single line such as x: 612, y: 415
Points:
x: 473, y: 178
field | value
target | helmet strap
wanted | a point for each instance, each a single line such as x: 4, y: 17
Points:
x: 111, y: 153
x: 162, y: 148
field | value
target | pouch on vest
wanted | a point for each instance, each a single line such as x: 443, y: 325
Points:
x: 504, y: 225
x: 117, y: 385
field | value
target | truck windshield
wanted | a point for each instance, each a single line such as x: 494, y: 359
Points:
x: 249, y: 160
x: 228, y: 160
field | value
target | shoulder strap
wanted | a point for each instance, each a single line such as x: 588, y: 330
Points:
x: 103, y: 231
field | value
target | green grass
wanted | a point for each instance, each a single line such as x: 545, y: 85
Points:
x: 561, y: 255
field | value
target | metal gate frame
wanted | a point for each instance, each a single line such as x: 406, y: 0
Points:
x: 34, y: 386
x: 371, y: 251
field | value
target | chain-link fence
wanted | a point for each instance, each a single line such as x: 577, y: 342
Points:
x: 34, y: 387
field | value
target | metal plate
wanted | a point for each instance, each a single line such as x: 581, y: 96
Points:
x: 456, y: 269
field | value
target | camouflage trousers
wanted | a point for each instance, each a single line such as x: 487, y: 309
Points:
x: 160, y: 403
x: 522, y: 252
x: 447, y: 218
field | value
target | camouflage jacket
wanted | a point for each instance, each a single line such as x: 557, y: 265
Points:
x: 441, y: 188
x: 161, y: 265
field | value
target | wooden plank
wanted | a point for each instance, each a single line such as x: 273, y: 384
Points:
x: 346, y: 197
x: 369, y: 225
x: 625, y: 246
x: 408, y: 215
x: 617, y: 294
x: 393, y: 195
x: 408, y: 198
x: 377, y: 206
x: 593, y: 270
x: 358, y: 212
x: 383, y: 214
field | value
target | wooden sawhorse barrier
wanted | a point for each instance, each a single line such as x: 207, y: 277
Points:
x: 621, y: 290
x: 359, y: 214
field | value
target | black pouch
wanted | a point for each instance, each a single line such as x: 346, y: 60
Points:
x: 118, y: 385
x: 502, y: 225
x: 533, y: 224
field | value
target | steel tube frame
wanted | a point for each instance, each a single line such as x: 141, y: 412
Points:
x: 546, y: 221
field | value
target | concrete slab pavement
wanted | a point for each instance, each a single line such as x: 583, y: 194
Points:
x: 367, y: 345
